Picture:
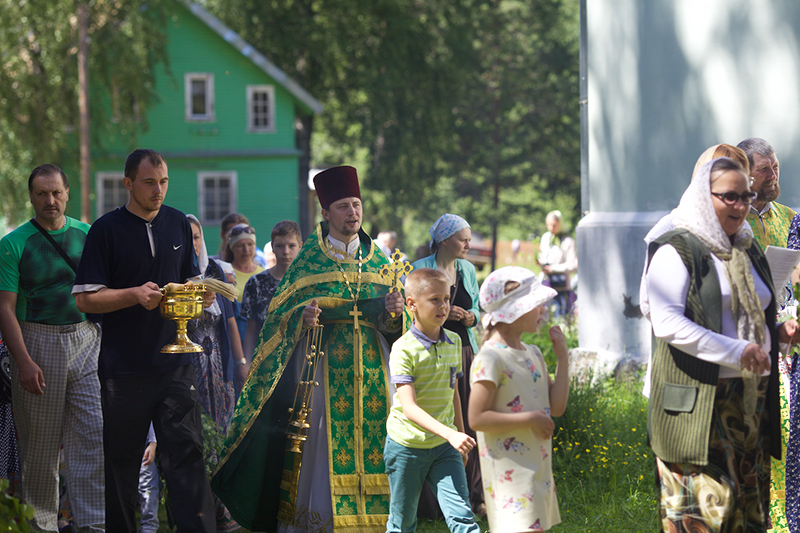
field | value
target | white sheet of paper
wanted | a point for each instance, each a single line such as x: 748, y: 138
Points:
x: 782, y: 262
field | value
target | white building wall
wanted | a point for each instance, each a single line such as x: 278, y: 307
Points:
x: 665, y: 80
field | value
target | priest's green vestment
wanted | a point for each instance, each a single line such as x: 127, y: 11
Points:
x: 256, y: 478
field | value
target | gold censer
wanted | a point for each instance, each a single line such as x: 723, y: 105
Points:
x: 181, y: 303
x: 300, y: 412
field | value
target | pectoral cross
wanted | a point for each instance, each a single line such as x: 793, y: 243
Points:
x: 355, y: 313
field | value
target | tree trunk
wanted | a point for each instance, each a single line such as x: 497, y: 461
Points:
x: 303, y: 126
x: 495, y: 176
x: 83, y: 109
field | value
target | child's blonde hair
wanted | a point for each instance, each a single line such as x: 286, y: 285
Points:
x: 420, y: 281
x: 487, y: 332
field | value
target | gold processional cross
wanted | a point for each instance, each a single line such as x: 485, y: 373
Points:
x: 393, y: 270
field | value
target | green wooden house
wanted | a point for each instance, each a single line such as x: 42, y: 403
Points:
x: 225, y: 125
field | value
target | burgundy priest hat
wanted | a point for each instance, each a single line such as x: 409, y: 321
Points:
x: 336, y: 183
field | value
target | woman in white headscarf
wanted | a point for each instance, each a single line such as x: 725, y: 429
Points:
x: 450, y: 238
x: 667, y: 222
x: 221, y: 367
x: 714, y: 412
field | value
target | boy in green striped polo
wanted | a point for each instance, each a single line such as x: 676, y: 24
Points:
x: 426, y: 441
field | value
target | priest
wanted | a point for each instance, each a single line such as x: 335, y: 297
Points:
x: 338, y: 482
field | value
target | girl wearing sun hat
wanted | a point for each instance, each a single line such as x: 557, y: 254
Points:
x: 512, y: 400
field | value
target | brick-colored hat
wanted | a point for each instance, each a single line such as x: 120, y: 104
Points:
x: 336, y: 183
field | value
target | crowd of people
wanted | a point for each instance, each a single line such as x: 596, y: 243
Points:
x: 100, y: 414
x: 348, y: 405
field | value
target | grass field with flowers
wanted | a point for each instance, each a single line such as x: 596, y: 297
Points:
x: 602, y: 465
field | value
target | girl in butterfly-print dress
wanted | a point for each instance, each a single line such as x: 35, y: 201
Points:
x: 511, y: 403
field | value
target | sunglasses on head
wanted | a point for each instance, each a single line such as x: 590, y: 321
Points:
x: 731, y: 197
x: 241, y: 228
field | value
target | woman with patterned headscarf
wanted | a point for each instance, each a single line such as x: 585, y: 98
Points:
x: 714, y: 412
x: 450, y: 237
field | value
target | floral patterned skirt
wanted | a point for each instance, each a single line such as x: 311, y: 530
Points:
x: 731, y: 492
x: 216, y: 395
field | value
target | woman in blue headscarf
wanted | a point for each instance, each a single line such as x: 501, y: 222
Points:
x: 450, y: 237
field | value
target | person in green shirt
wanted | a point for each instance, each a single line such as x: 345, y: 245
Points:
x: 55, y: 389
x: 338, y: 482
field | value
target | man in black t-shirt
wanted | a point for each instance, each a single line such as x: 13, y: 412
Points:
x: 129, y: 253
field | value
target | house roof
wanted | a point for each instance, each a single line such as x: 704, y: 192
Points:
x: 255, y: 56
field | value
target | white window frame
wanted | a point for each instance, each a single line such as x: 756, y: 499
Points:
x: 232, y: 176
x: 100, y: 193
x: 270, y: 90
x: 208, y: 78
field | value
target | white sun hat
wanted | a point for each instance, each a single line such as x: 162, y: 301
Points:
x: 507, y: 308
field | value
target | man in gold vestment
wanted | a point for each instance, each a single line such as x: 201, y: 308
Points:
x: 338, y: 483
x: 768, y: 219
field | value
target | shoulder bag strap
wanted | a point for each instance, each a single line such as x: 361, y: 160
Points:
x: 58, y: 248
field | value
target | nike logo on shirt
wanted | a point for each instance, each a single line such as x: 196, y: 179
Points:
x: 176, y: 247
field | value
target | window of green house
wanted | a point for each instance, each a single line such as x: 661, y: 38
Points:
x: 260, y: 108
x: 199, y: 96
x: 216, y: 195
x: 110, y: 192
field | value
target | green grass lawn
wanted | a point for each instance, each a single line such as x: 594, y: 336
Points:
x: 601, y: 461
x: 603, y: 467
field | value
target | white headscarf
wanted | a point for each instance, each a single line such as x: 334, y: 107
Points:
x: 665, y: 225
x: 202, y: 259
x: 696, y: 214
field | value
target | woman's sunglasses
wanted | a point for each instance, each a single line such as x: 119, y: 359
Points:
x: 241, y: 228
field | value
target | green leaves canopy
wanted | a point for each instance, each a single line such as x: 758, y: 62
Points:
x: 435, y: 100
x: 39, y: 81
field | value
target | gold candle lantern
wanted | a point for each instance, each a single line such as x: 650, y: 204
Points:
x: 181, y: 303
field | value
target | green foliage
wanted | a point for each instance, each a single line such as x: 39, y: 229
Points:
x: 518, y: 123
x: 39, y: 81
x: 14, y: 516
x: 541, y: 339
x: 213, y: 442
x: 435, y: 102
x: 601, y: 461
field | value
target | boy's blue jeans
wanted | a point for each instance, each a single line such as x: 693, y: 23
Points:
x: 443, y: 469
